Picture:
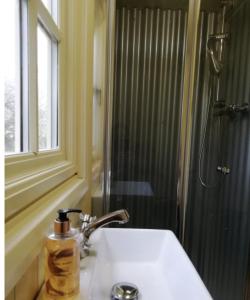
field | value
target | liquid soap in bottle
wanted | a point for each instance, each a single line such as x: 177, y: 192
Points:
x: 62, y: 259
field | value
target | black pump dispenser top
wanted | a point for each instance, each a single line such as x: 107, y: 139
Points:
x: 61, y: 223
x: 62, y: 213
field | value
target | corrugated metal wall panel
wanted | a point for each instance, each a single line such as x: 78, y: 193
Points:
x: 147, y: 104
x: 146, y: 114
x: 218, y: 219
x: 236, y: 192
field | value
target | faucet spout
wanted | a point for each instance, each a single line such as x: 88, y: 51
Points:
x: 119, y: 216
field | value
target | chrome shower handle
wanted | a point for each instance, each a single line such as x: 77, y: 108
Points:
x: 231, y: 109
x: 224, y: 170
x: 241, y: 108
x: 219, y: 36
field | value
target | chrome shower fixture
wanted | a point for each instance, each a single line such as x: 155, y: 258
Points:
x: 219, y: 36
x: 224, y: 170
x: 231, y: 109
x: 226, y: 3
x: 211, y: 47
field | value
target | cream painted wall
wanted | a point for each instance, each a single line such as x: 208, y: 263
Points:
x: 100, y: 28
x: 79, y: 85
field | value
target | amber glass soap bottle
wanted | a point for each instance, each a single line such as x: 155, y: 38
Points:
x: 62, y: 259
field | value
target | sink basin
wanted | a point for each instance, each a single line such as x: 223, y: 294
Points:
x: 153, y: 260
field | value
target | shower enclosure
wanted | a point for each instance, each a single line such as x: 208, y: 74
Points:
x: 178, y: 130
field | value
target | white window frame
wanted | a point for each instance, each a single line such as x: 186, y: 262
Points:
x: 28, y: 176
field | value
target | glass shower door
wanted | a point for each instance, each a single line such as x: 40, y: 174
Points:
x: 149, y: 62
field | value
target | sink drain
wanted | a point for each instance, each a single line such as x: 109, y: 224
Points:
x: 124, y: 291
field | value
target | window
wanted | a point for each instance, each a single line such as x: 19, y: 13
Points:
x: 31, y: 119
x: 47, y: 90
x: 35, y: 147
x: 15, y: 78
x: 52, y: 7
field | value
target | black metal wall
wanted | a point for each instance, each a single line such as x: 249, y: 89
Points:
x: 146, y: 114
x: 218, y: 218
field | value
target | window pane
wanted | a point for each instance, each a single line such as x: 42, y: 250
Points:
x: 15, y: 77
x: 52, y: 7
x: 47, y: 3
x: 47, y: 90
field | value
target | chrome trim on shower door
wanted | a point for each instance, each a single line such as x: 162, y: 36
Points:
x: 110, y: 57
x: 187, y: 113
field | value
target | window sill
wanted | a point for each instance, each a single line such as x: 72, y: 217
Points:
x: 23, y: 190
x: 25, y: 232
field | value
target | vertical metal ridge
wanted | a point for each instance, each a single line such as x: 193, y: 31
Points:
x: 133, y: 98
x: 170, y: 108
x: 143, y: 88
x: 138, y: 20
x: 172, y: 181
x: 151, y: 159
x: 148, y: 98
x: 153, y: 90
x: 162, y: 172
x: 120, y: 89
x: 125, y: 103
x: 159, y: 113
x: 116, y: 94
x: 164, y: 89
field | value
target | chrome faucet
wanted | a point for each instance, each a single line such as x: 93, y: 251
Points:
x: 90, y: 224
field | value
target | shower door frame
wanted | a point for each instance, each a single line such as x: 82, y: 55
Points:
x: 109, y: 79
x: 184, y: 149
x: 187, y: 114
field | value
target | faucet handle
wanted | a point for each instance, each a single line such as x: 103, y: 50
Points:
x: 85, y: 220
x: 84, y: 217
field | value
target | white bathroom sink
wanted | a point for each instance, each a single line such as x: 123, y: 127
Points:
x: 153, y: 260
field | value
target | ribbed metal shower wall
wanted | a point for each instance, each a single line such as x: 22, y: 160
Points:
x: 200, y: 223
x: 218, y: 219
x: 146, y: 114
x: 235, y: 195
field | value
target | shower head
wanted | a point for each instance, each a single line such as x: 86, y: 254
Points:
x: 216, y: 62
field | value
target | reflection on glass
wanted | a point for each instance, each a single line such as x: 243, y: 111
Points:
x: 12, y: 99
x: 47, y: 90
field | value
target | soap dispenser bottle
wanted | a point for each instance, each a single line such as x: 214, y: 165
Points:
x: 62, y: 259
